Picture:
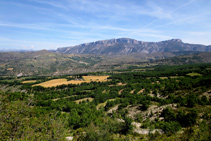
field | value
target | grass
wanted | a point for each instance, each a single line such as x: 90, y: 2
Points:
x: 163, y: 77
x: 118, y: 84
x: 194, y: 74
x: 29, y: 81
x: 171, y: 77
x: 141, y: 91
x: 176, y: 76
x: 10, y: 69
x: 95, y: 78
x: 84, y: 99
x: 103, y: 104
x: 62, y: 97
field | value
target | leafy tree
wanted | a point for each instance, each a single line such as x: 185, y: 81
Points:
x: 128, y: 127
x: 20, y: 122
x: 170, y: 127
x: 204, y: 100
x: 168, y: 115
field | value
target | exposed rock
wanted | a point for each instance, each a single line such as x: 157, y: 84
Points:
x: 70, y: 138
x: 147, y: 131
x: 152, y: 113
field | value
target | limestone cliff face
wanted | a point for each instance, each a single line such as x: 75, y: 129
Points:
x: 123, y: 46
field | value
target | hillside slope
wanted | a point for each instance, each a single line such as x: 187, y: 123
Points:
x: 204, y: 57
x: 50, y: 63
x: 45, y: 63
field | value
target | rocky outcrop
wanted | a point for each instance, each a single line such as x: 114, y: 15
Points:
x: 148, y: 131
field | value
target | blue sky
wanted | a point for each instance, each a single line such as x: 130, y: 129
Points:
x: 49, y: 24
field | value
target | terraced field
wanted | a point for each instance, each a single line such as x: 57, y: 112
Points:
x: 84, y: 99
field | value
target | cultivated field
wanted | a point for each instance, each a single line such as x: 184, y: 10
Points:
x: 57, y: 82
x: 95, y: 78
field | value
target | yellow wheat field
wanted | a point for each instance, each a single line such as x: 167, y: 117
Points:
x: 95, y: 78
x: 57, y: 82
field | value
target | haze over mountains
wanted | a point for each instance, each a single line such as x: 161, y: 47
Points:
x: 124, y: 46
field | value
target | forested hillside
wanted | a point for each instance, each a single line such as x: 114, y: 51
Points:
x: 148, y: 103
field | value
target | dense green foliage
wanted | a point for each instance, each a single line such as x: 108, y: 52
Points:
x: 37, y: 113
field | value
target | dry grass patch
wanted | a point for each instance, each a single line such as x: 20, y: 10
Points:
x: 62, y: 97
x: 118, y: 84
x: 163, y: 77
x: 57, y: 82
x: 10, y: 69
x: 84, y: 99
x: 141, y: 91
x: 29, y: 81
x: 158, y: 82
x: 194, y: 74
x: 120, y: 92
x: 176, y: 76
x: 132, y: 91
x: 104, y: 104
x: 96, y: 78
x: 2, y: 65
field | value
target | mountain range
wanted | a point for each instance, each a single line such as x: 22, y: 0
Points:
x: 106, y: 55
x: 124, y: 46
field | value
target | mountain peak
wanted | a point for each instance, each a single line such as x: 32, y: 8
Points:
x: 176, y: 40
x: 113, y: 41
x: 122, y: 46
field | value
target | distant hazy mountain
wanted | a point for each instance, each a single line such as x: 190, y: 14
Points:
x: 124, y: 46
x: 14, y: 50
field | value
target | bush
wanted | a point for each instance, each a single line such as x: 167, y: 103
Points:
x: 170, y: 127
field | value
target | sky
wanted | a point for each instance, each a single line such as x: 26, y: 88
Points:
x: 49, y: 24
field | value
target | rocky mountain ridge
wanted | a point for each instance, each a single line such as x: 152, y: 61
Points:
x: 124, y: 46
